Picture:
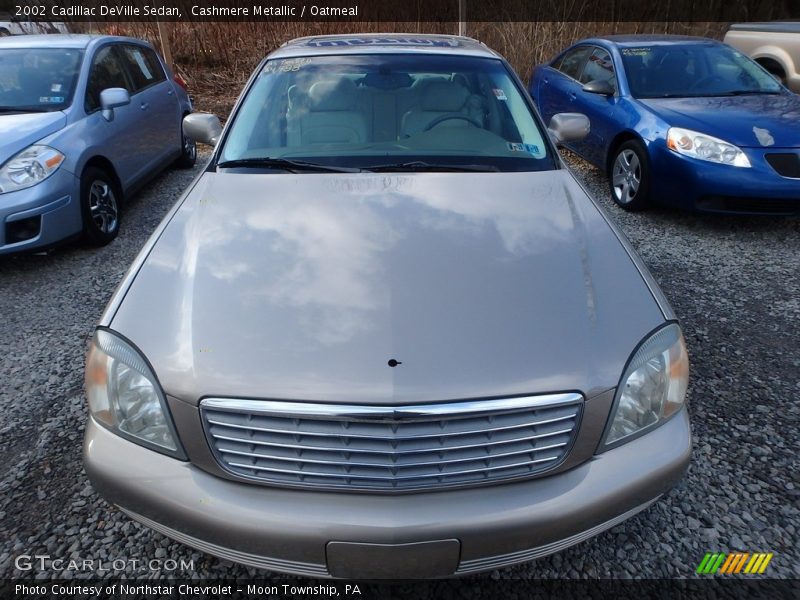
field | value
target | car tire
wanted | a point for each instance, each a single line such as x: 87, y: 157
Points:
x: 100, y: 206
x: 629, y: 176
x: 4, y: 32
x: 188, y: 156
x: 779, y: 74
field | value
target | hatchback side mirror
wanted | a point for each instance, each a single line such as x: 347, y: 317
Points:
x: 568, y: 127
x: 111, y: 98
x: 202, y: 127
x: 598, y: 86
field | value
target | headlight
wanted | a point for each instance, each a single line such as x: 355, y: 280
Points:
x: 31, y: 166
x: 124, y: 395
x: 705, y: 147
x: 653, y: 387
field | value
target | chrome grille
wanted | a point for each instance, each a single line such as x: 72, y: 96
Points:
x: 378, y: 448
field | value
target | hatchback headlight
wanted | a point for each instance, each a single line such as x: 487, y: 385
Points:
x: 653, y: 387
x: 31, y: 166
x: 705, y: 147
x: 124, y: 395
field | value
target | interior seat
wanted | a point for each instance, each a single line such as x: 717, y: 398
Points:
x: 436, y: 99
x: 330, y: 113
x: 671, y: 73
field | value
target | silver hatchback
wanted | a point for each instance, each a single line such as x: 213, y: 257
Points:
x: 84, y: 121
x: 386, y: 333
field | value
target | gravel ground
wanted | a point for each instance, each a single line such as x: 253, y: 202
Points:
x: 732, y: 281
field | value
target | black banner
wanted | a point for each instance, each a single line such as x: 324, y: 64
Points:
x: 406, y: 11
x: 734, y: 587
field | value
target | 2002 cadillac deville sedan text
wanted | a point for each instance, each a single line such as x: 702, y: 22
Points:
x: 386, y: 333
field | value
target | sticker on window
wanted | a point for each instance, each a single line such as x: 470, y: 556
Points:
x: 636, y: 51
x: 56, y: 87
x: 289, y: 65
x: 499, y: 94
x: 51, y: 99
x: 529, y: 148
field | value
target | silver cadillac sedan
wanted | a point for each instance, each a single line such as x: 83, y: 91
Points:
x: 385, y: 333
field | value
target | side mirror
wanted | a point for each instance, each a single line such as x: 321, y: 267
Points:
x: 202, y: 127
x: 599, y: 86
x: 112, y: 98
x: 568, y: 127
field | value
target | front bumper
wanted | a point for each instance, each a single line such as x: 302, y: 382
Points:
x: 51, y: 211
x: 704, y: 186
x: 403, y: 536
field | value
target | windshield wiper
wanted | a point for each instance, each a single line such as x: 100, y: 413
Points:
x: 748, y: 92
x: 23, y: 109
x: 420, y: 166
x: 293, y: 166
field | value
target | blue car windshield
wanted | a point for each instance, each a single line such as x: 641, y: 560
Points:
x: 38, y: 79
x: 692, y: 70
x: 376, y: 111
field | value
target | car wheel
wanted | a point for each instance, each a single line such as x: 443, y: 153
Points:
x: 188, y: 154
x: 778, y: 74
x: 100, y: 205
x: 630, y: 176
x: 4, y: 32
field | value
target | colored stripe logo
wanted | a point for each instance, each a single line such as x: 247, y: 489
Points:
x: 735, y: 562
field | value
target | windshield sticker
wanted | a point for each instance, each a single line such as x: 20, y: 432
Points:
x: 51, y: 99
x: 529, y: 148
x: 499, y: 94
x: 289, y: 65
x: 56, y: 87
x: 636, y: 51
x: 379, y: 41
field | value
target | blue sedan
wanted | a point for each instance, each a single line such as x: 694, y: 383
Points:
x: 84, y: 122
x: 680, y: 121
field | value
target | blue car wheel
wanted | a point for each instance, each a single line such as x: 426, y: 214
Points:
x: 100, y: 206
x: 630, y: 176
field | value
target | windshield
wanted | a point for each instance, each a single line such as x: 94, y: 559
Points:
x: 37, y: 79
x: 699, y: 69
x: 411, y: 111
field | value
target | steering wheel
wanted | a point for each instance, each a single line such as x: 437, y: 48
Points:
x: 460, y: 117
x: 704, y: 80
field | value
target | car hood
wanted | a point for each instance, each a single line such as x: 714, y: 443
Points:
x: 747, y: 121
x: 305, y: 286
x: 18, y: 131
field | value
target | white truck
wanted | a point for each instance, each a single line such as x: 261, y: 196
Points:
x: 12, y: 26
x: 774, y: 45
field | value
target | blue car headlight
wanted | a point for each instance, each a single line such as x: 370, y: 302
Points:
x: 31, y: 166
x: 705, y: 147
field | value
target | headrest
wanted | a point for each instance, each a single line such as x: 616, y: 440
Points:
x: 387, y: 81
x: 443, y: 96
x: 333, y: 95
x: 674, y: 60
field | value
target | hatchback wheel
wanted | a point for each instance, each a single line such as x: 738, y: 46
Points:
x: 100, y: 199
x: 630, y: 176
x: 188, y: 154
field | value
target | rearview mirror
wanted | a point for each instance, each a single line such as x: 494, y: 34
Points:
x: 111, y: 98
x: 599, y: 86
x: 202, y: 127
x: 568, y: 127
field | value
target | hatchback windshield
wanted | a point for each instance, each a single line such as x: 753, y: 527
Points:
x: 386, y: 111
x: 37, y: 79
x: 686, y: 70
